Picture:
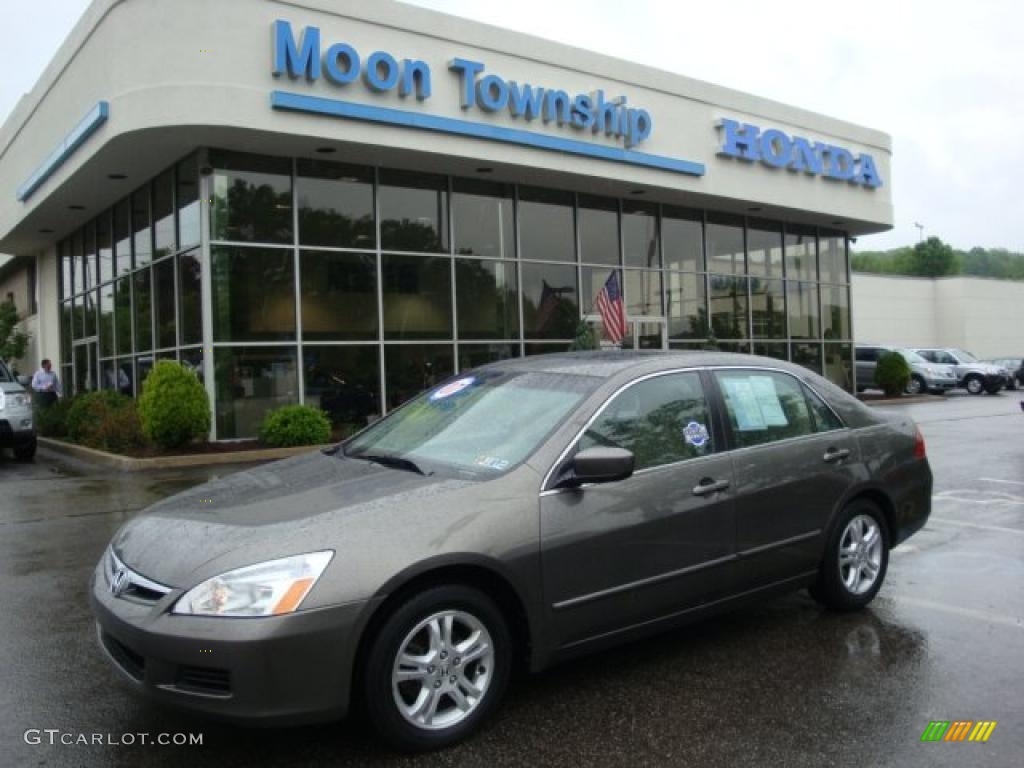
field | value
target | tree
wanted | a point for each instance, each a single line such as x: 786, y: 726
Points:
x: 13, y: 342
x: 932, y: 258
x: 586, y: 337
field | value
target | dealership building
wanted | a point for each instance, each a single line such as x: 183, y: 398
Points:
x: 341, y: 203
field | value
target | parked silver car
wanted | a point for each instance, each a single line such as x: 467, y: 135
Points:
x: 517, y: 514
x: 972, y: 374
x: 17, y: 430
x: 925, y: 376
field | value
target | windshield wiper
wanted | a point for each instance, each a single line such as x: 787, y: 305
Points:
x: 387, y: 460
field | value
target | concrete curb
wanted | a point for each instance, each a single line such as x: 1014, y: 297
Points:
x: 129, y: 464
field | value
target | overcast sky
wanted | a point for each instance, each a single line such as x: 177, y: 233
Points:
x: 945, y: 79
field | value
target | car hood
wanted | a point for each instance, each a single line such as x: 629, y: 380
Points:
x: 302, y: 504
x: 11, y: 387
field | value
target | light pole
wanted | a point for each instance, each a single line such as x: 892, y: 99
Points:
x: 920, y: 231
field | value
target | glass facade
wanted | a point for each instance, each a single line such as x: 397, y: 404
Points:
x: 352, y: 288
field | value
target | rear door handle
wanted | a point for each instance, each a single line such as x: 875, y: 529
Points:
x: 708, y: 486
x: 836, y: 454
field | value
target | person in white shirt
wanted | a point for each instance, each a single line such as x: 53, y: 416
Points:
x: 46, y: 385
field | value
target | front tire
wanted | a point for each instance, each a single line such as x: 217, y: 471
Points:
x: 438, y: 667
x: 856, y: 559
x: 974, y: 385
x: 916, y: 385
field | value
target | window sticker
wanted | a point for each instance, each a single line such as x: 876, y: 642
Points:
x: 452, y: 388
x: 744, y: 405
x: 492, y: 462
x: 768, y: 401
x: 695, y: 434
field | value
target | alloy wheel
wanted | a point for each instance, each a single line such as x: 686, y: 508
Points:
x: 860, y: 554
x: 443, y: 670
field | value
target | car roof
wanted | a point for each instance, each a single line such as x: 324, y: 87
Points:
x: 605, y: 364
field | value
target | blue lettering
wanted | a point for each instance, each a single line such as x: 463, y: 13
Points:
x: 868, y: 174
x: 468, y: 70
x: 583, y: 112
x: 557, y: 107
x: 606, y: 115
x: 805, y: 157
x: 776, y: 148
x: 290, y: 58
x: 492, y: 93
x: 525, y: 101
x: 381, y: 71
x: 639, y: 127
x: 740, y: 141
x: 338, y: 74
x: 415, y: 77
x: 841, y: 164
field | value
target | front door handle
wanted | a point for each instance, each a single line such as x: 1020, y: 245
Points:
x: 835, y: 454
x: 708, y: 486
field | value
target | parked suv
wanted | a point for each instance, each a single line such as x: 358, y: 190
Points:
x: 972, y: 374
x: 924, y: 375
x: 17, y: 430
x: 1014, y: 366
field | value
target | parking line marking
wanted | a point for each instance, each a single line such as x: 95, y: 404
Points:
x: 997, y: 480
x: 970, y: 613
x: 997, y: 528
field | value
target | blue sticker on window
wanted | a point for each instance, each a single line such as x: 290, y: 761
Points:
x: 695, y: 434
x: 452, y: 388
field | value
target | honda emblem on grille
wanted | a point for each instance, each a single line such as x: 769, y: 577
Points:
x: 118, y: 582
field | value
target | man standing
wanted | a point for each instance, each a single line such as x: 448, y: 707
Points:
x: 46, y: 385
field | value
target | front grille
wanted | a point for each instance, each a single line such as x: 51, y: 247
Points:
x: 142, y: 593
x: 205, y: 680
x: 131, y: 662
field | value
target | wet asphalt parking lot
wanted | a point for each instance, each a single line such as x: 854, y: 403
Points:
x: 782, y: 683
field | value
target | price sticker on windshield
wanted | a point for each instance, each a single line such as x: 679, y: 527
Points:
x: 452, y: 388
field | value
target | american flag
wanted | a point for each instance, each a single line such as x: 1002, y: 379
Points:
x: 613, y: 312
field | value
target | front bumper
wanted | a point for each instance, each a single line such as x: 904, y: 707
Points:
x: 277, y: 670
x: 13, y: 432
x: 937, y: 383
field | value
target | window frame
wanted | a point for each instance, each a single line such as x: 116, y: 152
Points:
x: 556, y: 470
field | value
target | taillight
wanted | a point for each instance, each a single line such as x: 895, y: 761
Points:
x: 919, y: 449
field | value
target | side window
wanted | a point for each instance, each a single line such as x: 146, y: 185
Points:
x: 661, y: 420
x: 867, y: 354
x: 824, y: 419
x: 764, y: 406
x: 928, y: 355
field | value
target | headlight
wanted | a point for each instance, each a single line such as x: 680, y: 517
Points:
x: 265, y: 589
x: 17, y: 400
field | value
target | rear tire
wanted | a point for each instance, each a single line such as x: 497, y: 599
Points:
x: 435, y: 697
x: 856, y: 559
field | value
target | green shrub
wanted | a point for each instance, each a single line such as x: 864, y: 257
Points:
x: 105, y: 420
x: 295, y: 425
x: 892, y: 373
x: 173, y: 407
x: 52, y: 421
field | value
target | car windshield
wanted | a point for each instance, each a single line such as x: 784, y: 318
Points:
x: 912, y: 357
x: 965, y: 357
x: 5, y: 375
x: 483, y: 422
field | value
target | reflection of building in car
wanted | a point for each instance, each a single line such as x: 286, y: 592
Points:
x: 344, y: 401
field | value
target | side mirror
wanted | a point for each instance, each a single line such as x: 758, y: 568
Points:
x: 602, y: 465
x: 25, y: 381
